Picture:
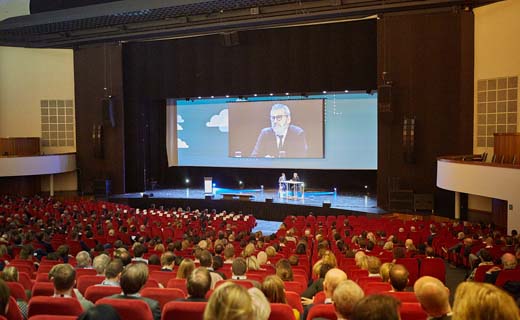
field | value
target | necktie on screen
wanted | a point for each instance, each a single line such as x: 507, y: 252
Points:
x: 279, y: 140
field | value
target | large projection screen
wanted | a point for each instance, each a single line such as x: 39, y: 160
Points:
x: 349, y: 132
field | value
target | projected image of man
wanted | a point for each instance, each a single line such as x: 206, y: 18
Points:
x: 282, y: 139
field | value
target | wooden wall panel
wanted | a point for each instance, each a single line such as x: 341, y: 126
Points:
x: 507, y: 147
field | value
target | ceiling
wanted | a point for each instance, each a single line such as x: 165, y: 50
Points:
x: 137, y: 20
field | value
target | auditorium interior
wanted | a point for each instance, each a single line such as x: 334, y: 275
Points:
x: 94, y: 95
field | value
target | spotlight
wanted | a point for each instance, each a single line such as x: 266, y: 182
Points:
x: 366, y: 187
x: 227, y: 95
x: 346, y: 91
x: 199, y: 97
x: 262, y: 187
x: 287, y: 93
x: 240, y: 182
x: 271, y: 94
x: 335, y: 189
x: 214, y: 185
x: 324, y: 91
x: 187, y: 180
x: 212, y: 97
x: 256, y: 95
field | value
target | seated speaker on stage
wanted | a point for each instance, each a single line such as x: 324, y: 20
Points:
x: 281, y: 185
x: 296, y: 187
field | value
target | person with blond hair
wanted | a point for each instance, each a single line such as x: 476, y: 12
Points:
x: 185, y: 268
x: 274, y: 291
x: 483, y: 301
x: 248, y: 254
x: 229, y: 302
x: 384, y: 271
x: 261, y: 306
x: 345, y: 297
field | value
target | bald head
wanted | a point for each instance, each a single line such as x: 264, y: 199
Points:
x: 509, y: 261
x: 332, y: 278
x: 433, y: 296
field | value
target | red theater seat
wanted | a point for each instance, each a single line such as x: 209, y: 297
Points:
x: 163, y: 295
x: 129, y: 308
x: 86, y: 281
x: 54, y: 306
x: 179, y: 284
x: 17, y: 291
x: 94, y: 293
x: 183, y: 310
x: 322, y: 311
x: 412, y: 311
x: 281, y: 311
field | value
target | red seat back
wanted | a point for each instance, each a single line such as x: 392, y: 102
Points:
x: 412, y: 265
x: 403, y: 296
x: 376, y: 287
x: 52, y: 317
x: 183, y: 310
x: 179, y: 284
x: 244, y: 283
x: 25, y: 280
x: 85, y: 272
x: 54, y: 306
x: 129, y: 308
x: 94, y: 293
x: 86, y: 281
x: 17, y: 291
x: 434, y: 268
x: 412, y: 311
x: 319, y: 297
x: 42, y: 289
x: 322, y: 311
x: 294, y: 300
x: 480, y: 273
x: 162, y: 277
x: 295, y: 286
x: 13, y: 313
x: 42, y: 277
x: 507, y: 275
x: 281, y: 311
x: 163, y: 295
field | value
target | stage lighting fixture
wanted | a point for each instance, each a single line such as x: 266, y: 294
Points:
x: 366, y: 187
x: 212, y: 97
x: 335, y: 189
x: 214, y: 185
x: 187, y: 180
x: 199, y: 97
x: 240, y: 182
x: 287, y: 93
x: 346, y: 91
x: 227, y: 95
x: 271, y: 94
x: 262, y: 187
x: 256, y: 95
x: 324, y: 91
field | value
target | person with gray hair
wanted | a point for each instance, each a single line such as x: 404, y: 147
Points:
x: 281, y: 139
x: 83, y: 260
x: 100, y: 264
x: 345, y: 297
x: 261, y: 307
x: 509, y: 262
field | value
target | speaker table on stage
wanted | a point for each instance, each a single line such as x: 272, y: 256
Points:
x: 208, y: 187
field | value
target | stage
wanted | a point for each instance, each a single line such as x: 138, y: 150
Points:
x: 262, y: 203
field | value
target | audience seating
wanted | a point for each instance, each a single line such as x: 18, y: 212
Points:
x: 295, y: 286
x: 13, y: 312
x: 52, y: 317
x: 507, y: 275
x: 25, y: 280
x: 294, y: 300
x: 86, y: 281
x: 433, y: 267
x: 54, y: 306
x: 43, y: 289
x: 412, y: 265
x: 17, y: 291
x: 281, y: 311
x: 42, y: 277
x: 163, y: 295
x: 244, y: 283
x: 403, y: 296
x: 322, y: 311
x: 412, y: 311
x: 376, y: 287
x: 480, y: 273
x: 85, y: 272
x: 179, y: 284
x: 183, y: 310
x: 319, y: 297
x: 162, y: 277
x: 129, y: 308
x: 94, y: 293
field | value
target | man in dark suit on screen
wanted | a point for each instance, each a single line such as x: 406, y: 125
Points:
x: 281, y: 140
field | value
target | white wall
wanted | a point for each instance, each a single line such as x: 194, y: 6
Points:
x: 497, y: 51
x: 26, y: 77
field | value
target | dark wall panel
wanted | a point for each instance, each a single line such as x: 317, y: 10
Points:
x: 299, y: 60
x: 96, y: 68
x: 429, y: 59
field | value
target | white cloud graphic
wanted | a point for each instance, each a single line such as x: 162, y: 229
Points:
x: 179, y: 127
x: 219, y: 120
x: 181, y: 144
x: 180, y: 119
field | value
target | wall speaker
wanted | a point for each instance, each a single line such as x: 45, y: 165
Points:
x: 108, y: 106
x: 269, y: 200
x: 384, y: 98
x: 230, y: 39
x: 409, y: 139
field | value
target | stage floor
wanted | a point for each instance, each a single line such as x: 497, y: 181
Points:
x: 351, y: 201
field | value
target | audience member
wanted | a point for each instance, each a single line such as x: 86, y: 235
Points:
x: 185, y: 268
x: 100, y: 264
x: 374, y: 266
x: 100, y: 312
x: 483, y: 301
x: 167, y: 261
x: 139, y: 251
x: 198, y: 284
x: 229, y: 302
x: 133, y: 279
x: 345, y: 297
x: 434, y: 298
x: 384, y: 271
x: 83, y: 260
x: 376, y: 307
x: 63, y: 276
x: 284, y: 270
x: 206, y: 260
x: 261, y: 307
x: 509, y: 262
x: 333, y: 277
x: 274, y: 291
x: 317, y: 285
x: 113, y: 273
x: 399, y: 277
x: 5, y: 293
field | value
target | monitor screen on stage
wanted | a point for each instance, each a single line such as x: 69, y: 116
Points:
x: 328, y: 131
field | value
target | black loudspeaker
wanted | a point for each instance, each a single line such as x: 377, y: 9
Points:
x: 409, y: 139
x: 326, y: 205
x: 230, y: 39
x: 108, y: 111
x: 384, y: 98
x: 269, y: 200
